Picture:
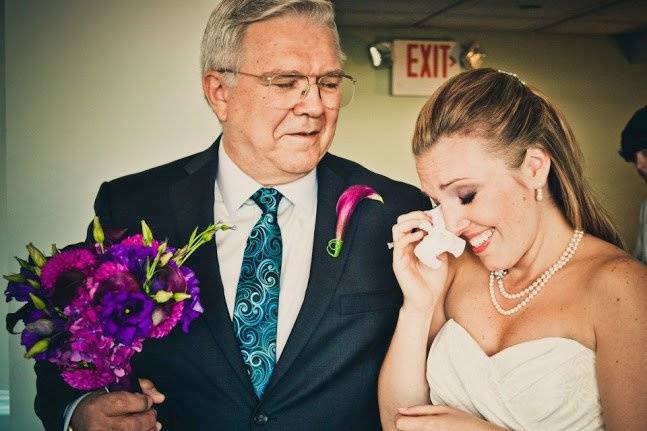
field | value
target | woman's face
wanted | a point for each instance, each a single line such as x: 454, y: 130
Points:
x: 484, y: 201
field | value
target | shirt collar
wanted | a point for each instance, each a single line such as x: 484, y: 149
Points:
x: 236, y: 187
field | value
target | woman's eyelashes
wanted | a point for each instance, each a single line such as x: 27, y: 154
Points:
x: 467, y: 198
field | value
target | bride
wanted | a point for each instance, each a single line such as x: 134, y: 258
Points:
x: 541, y: 323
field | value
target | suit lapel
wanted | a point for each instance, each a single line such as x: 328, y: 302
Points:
x: 325, y: 271
x: 193, y: 202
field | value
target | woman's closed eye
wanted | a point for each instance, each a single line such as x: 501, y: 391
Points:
x: 467, y: 198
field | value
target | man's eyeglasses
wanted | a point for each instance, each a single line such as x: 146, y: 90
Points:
x: 285, y: 90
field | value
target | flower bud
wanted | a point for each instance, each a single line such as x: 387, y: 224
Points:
x: 162, y: 296
x: 41, y: 327
x: 38, y: 302
x: 36, y: 255
x: 37, y: 348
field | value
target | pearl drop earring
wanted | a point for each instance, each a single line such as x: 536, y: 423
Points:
x: 539, y: 194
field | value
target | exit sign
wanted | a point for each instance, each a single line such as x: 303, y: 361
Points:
x: 421, y: 66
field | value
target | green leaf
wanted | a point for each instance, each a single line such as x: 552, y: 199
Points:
x: 37, y: 348
x: 15, y: 278
x: 180, y: 296
x: 147, y: 234
x: 38, y: 303
x: 162, y: 296
x: 36, y: 255
x: 24, y: 264
x: 97, y: 231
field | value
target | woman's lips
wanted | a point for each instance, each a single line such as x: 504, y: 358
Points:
x: 480, y: 242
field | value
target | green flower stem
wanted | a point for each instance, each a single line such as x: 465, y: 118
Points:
x: 334, y: 247
x: 196, y: 241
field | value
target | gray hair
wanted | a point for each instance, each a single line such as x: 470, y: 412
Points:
x: 221, y: 42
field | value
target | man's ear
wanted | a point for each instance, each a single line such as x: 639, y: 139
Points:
x: 535, y: 167
x: 216, y: 93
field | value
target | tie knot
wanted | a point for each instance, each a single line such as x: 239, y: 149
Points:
x: 267, y: 199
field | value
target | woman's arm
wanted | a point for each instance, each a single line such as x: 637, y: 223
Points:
x: 619, y: 312
x: 402, y: 381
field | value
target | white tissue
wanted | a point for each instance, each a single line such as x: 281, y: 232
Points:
x: 437, y: 241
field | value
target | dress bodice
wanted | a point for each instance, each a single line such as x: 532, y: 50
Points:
x: 542, y: 384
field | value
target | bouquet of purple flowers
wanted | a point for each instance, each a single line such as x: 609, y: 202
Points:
x: 89, y: 307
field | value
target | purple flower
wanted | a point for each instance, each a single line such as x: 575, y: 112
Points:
x: 20, y: 291
x: 166, y: 316
x: 126, y: 316
x: 132, y: 257
x: 38, y: 326
x: 193, y: 307
x: 169, y: 279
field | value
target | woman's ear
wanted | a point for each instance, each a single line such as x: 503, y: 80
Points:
x: 535, y: 167
x: 216, y: 93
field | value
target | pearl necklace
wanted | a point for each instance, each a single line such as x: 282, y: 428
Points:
x: 531, y: 291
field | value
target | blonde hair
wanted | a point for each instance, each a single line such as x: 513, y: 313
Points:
x: 514, y: 117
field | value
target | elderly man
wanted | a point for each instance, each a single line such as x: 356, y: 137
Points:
x: 272, y: 74
x: 633, y: 148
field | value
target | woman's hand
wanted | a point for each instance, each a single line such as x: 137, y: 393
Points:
x: 439, y: 418
x: 421, y: 286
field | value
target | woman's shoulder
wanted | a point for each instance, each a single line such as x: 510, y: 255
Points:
x: 612, y: 279
x: 608, y: 265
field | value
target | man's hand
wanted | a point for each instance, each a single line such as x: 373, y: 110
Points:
x: 119, y: 411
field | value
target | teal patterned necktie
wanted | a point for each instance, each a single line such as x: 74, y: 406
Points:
x: 257, y: 298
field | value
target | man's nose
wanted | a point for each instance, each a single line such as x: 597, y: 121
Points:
x: 310, y: 101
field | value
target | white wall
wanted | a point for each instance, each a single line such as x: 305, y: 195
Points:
x: 95, y: 90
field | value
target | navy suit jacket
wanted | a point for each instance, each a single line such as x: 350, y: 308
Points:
x: 326, y: 377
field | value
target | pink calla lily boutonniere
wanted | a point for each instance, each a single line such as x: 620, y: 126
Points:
x: 345, y: 207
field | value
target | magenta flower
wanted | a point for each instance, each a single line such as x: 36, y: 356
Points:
x: 80, y: 260
x: 165, y: 317
x: 111, y: 277
x: 345, y: 207
x: 88, y: 378
x: 64, y: 273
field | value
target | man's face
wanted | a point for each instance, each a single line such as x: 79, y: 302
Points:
x: 272, y: 145
x: 641, y: 163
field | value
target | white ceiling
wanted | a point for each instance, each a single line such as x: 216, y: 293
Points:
x: 590, y: 17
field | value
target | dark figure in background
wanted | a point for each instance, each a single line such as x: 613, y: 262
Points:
x: 633, y: 148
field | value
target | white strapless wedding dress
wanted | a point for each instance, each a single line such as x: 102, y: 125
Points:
x: 543, y: 384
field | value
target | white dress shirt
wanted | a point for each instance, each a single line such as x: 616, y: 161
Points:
x: 296, y: 214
